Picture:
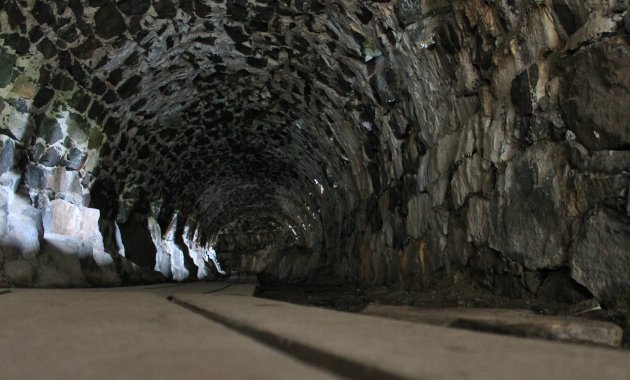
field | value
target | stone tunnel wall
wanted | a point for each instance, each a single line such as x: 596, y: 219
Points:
x: 404, y: 139
x: 512, y: 158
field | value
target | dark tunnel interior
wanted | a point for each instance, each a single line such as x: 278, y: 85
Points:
x: 381, y: 143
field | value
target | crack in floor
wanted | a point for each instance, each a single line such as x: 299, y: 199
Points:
x: 218, y: 290
x: 162, y: 286
x: 340, y: 366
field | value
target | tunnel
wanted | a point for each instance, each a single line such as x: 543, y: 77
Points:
x: 310, y: 142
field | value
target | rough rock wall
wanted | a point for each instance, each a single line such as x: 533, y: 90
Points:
x: 522, y: 111
x: 403, y: 139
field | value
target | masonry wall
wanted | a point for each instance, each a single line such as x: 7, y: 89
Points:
x: 404, y: 140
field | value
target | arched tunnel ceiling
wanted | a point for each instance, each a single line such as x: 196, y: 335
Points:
x: 403, y: 138
x: 211, y: 105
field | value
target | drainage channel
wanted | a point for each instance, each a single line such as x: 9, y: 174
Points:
x: 340, y: 366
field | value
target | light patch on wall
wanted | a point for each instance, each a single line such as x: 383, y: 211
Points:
x: 119, y: 242
x: 201, y: 254
x: 321, y: 188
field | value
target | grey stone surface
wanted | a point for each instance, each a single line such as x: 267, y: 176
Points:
x: 66, y: 253
x: 7, y: 154
x: 393, y: 347
x: 594, y: 106
x: 162, y: 257
x: 50, y: 275
x: 4, y: 214
x: 100, y: 269
x: 528, y: 220
x: 19, y: 272
x: 138, y: 335
x: 65, y: 218
x: 67, y: 185
x: 603, y: 161
x: 370, y: 133
x: 24, y: 226
x: 507, y: 321
x: 601, y: 259
x: 477, y: 220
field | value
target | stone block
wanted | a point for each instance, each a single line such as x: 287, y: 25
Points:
x: 162, y: 257
x: 457, y: 245
x: 609, y: 161
x: 15, y: 119
x: 24, y: 226
x: 63, y: 218
x: 477, y: 220
x: 4, y: 213
x: 467, y: 180
x: 7, y: 63
x: 19, y: 272
x: 48, y: 276
x: 74, y: 241
x: 528, y: 217
x: 36, y: 177
x: 596, y: 25
x: 66, y: 184
x: 100, y: 270
x: 66, y: 254
x: 7, y: 154
x: 594, y: 94
x: 601, y: 259
x: 178, y: 262
x: 418, y: 209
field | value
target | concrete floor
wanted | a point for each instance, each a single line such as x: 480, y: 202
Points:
x: 127, y: 335
x: 214, y: 330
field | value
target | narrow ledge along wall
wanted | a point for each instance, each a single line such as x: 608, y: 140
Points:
x: 398, y: 140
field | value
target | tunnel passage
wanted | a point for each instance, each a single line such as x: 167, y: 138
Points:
x: 382, y: 142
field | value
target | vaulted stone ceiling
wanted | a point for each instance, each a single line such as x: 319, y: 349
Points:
x: 211, y: 106
x: 400, y: 140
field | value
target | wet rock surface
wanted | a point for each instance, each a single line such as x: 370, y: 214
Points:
x: 390, y: 142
